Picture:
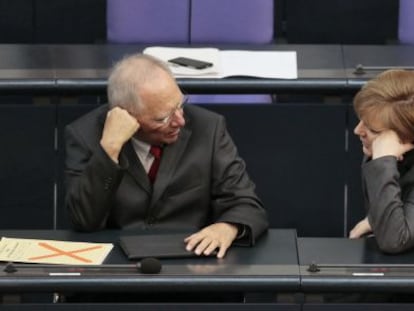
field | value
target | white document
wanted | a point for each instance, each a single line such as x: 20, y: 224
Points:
x: 262, y: 64
x: 53, y: 252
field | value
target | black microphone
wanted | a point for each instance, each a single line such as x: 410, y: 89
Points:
x: 148, y: 265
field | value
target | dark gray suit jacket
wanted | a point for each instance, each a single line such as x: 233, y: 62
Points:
x: 201, y: 180
x: 388, y: 187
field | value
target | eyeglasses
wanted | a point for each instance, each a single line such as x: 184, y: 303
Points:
x: 168, y: 118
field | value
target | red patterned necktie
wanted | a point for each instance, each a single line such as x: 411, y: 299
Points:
x: 156, y: 151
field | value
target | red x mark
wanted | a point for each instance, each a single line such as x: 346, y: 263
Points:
x: 60, y: 252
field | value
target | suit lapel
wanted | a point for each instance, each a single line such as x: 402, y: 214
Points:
x: 128, y: 155
x: 169, y: 161
x: 135, y: 167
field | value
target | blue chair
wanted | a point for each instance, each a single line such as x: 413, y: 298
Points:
x: 193, y: 21
x: 233, y: 22
x: 151, y: 21
x: 406, y: 22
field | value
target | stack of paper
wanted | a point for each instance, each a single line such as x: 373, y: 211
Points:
x: 263, y: 64
x: 53, y: 252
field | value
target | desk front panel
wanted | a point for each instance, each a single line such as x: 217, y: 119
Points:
x: 152, y: 307
x: 27, y: 166
x: 269, y: 266
x: 353, y: 265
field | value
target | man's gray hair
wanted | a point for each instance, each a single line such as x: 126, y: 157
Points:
x: 128, y: 76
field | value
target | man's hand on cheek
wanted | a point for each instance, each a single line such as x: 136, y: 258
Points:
x: 118, y: 129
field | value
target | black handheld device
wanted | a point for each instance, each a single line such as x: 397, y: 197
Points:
x: 190, y: 62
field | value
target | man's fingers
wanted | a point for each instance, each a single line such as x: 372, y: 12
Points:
x: 203, y: 245
x: 354, y: 234
x: 222, y: 251
x: 192, y: 241
x: 211, y: 248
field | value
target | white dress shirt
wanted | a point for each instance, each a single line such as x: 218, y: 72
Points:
x: 142, y: 150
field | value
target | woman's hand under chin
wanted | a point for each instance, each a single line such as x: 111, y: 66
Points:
x: 389, y: 144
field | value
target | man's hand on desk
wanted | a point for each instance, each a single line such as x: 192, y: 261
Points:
x: 216, y: 236
x: 360, y: 229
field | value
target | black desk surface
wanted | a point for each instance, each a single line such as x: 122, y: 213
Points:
x: 383, y: 56
x: 353, y: 265
x: 83, y: 69
x: 271, y: 265
x: 26, y: 68
x: 278, y: 263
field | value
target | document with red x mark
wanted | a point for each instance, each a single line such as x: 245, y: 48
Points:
x: 53, y: 252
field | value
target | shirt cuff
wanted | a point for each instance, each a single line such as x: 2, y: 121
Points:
x: 241, y: 231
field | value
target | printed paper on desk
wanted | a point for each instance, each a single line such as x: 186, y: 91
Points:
x: 53, y: 252
x: 210, y: 55
x: 227, y: 63
x: 262, y: 64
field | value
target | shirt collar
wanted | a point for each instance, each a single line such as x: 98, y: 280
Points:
x: 140, y: 146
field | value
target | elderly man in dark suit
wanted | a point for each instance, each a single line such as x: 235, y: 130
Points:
x: 148, y: 161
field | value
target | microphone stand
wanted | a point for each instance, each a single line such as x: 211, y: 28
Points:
x: 146, y: 266
x: 361, y: 69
